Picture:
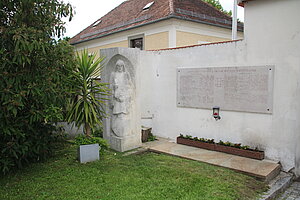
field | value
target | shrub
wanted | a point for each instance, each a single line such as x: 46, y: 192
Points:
x: 35, y: 78
x: 98, y: 132
x: 83, y: 139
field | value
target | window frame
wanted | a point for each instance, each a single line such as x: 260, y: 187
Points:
x: 135, y: 37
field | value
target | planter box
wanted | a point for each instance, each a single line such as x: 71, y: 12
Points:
x: 146, y: 132
x: 198, y: 144
x: 88, y: 153
x: 259, y: 155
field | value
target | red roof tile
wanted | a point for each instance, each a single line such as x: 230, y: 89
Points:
x: 130, y: 14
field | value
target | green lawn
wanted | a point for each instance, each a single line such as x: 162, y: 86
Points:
x: 145, y: 176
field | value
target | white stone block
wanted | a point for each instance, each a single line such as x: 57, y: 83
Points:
x: 88, y: 153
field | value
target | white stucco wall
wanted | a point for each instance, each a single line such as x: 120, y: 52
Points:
x: 272, y: 36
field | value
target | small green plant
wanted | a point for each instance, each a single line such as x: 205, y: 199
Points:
x: 211, y: 141
x: 98, y: 132
x: 83, y: 140
x: 189, y: 137
x: 151, y: 138
x: 248, y: 148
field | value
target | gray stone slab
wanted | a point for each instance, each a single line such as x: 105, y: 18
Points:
x: 88, y: 153
x: 248, y: 88
x: 292, y: 192
x: 277, y: 185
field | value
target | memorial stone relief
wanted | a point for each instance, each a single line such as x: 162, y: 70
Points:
x: 122, y: 127
x: 121, y: 100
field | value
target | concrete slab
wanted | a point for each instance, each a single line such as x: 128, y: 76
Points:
x: 292, y: 193
x: 262, y: 169
x: 278, y: 185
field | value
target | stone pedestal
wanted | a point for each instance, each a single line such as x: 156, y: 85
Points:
x: 125, y: 143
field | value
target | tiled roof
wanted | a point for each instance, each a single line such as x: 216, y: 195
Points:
x: 130, y: 14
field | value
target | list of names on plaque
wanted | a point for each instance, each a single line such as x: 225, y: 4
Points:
x: 248, y: 89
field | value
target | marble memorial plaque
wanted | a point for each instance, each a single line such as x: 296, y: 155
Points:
x: 248, y: 89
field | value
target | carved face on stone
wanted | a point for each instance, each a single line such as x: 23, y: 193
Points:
x: 120, y: 66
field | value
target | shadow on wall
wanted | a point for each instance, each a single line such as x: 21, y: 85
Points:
x: 70, y: 129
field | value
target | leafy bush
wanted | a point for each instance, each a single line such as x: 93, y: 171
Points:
x: 98, y: 132
x: 35, y: 78
x: 83, y: 139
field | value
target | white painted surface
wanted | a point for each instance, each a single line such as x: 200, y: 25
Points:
x: 234, y: 20
x: 193, y: 27
x: 172, y: 37
x: 272, y: 37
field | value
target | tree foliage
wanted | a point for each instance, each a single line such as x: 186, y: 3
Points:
x: 217, y: 4
x: 34, y: 71
x: 87, y: 109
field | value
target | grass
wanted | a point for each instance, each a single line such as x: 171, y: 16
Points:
x: 145, y: 176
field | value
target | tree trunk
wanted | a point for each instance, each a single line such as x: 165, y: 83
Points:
x: 87, y: 130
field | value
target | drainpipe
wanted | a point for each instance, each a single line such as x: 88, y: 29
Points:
x: 234, y: 20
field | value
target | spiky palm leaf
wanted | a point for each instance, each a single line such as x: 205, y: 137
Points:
x: 88, y: 108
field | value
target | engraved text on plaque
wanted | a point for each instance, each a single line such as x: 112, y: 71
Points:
x: 248, y: 89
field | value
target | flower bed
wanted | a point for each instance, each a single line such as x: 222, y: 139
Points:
x: 235, y: 149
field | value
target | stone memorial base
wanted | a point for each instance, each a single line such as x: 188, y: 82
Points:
x: 88, y: 153
x: 126, y: 143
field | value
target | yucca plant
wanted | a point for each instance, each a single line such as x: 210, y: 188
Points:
x: 87, y: 108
